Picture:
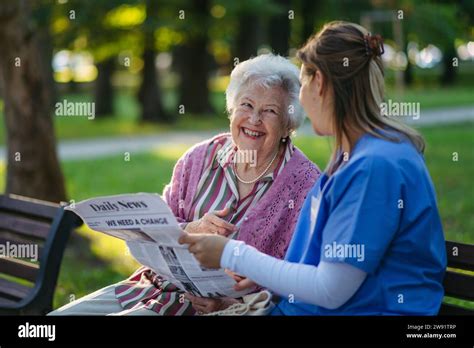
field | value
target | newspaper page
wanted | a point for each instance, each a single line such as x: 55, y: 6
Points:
x: 151, y: 232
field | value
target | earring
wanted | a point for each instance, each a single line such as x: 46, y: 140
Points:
x: 283, y: 140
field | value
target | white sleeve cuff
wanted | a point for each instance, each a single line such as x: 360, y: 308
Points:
x: 231, y: 252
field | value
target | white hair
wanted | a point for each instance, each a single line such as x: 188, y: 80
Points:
x: 268, y: 70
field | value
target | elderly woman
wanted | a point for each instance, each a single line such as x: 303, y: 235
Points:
x: 248, y: 184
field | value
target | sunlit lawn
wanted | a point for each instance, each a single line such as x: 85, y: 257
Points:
x: 434, y: 97
x: 425, y: 88
x: 105, y: 260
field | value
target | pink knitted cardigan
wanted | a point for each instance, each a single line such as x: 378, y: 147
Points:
x: 269, y: 225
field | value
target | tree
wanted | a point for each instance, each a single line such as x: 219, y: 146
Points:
x: 248, y: 38
x: 33, y: 168
x: 111, y: 28
x: 438, y: 24
x: 90, y: 19
x: 279, y: 29
x: 103, y: 89
x: 309, y: 10
x: 149, y: 93
x: 193, y: 60
x: 248, y: 20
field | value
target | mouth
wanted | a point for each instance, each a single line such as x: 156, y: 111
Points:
x: 251, y: 133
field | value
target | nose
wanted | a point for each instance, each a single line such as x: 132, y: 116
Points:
x: 254, y: 117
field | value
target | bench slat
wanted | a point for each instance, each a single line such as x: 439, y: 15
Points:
x: 29, y: 206
x: 5, y: 303
x: 12, y: 290
x: 18, y: 268
x: 25, y: 226
x: 460, y: 255
x: 459, y: 285
x: 17, y: 238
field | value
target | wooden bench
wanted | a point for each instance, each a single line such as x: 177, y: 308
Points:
x: 456, y: 284
x: 27, y: 286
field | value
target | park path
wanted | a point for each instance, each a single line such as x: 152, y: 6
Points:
x: 102, y: 147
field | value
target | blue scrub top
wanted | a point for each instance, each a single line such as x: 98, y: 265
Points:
x: 377, y: 212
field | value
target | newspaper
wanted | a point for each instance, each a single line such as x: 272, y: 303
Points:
x: 151, y: 232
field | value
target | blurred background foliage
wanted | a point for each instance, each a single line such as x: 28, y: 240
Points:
x: 106, y: 47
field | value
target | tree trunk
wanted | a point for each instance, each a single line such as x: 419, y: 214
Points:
x: 193, y: 70
x: 46, y: 52
x: 408, y: 74
x: 149, y: 93
x: 193, y: 62
x: 309, y: 9
x: 248, y: 37
x: 33, y: 168
x: 103, y: 91
x: 280, y: 30
x: 449, y: 71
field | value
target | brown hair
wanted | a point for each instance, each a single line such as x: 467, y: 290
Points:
x: 348, y: 57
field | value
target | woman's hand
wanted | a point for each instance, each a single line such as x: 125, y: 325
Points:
x: 212, y: 222
x: 206, y: 248
x: 243, y: 283
x: 207, y: 305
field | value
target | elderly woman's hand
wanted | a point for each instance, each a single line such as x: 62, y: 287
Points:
x: 242, y: 283
x: 206, y: 248
x: 212, y: 223
x: 204, y: 305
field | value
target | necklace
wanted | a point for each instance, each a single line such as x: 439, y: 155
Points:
x: 258, y: 177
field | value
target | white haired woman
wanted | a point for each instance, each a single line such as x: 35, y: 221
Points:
x: 248, y: 184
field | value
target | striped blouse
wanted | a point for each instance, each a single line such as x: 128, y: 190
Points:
x: 216, y: 190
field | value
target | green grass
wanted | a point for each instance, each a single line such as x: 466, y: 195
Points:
x: 426, y: 88
x: 435, y: 97
x: 453, y: 179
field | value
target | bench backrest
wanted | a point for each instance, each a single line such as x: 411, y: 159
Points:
x: 459, y: 279
x: 37, y: 224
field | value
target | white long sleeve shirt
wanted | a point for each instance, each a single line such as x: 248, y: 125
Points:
x: 329, y: 285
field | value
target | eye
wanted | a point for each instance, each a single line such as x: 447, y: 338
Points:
x: 271, y: 111
x: 246, y: 105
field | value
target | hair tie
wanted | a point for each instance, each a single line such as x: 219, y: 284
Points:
x: 373, y: 45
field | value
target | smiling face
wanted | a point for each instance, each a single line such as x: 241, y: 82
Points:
x: 258, y: 120
x: 316, y: 102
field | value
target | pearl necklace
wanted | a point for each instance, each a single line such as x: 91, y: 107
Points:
x: 258, y: 177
